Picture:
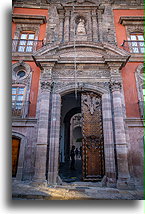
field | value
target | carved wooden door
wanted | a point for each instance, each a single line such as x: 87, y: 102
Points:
x: 15, y: 155
x: 93, y: 149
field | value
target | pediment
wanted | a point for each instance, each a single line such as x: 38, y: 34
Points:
x: 81, y: 2
x: 85, y: 51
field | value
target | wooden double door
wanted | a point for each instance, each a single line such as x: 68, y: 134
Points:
x: 92, y: 131
x: 15, y: 155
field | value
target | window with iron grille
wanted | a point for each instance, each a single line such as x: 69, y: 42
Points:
x: 26, y: 42
x: 137, y: 43
x: 17, y: 97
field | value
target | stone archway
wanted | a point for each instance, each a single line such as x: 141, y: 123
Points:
x: 109, y: 155
x: 68, y: 115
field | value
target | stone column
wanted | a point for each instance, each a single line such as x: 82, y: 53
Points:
x: 94, y: 22
x: 66, y: 26
x: 123, y: 181
x: 54, y: 139
x: 42, y: 138
x: 110, y: 168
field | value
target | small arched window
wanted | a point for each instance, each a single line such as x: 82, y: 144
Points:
x: 137, y: 42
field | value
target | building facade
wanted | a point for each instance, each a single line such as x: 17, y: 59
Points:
x: 77, y: 79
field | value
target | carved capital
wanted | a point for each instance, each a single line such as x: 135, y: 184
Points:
x: 115, y: 85
x: 45, y: 86
x: 114, y: 71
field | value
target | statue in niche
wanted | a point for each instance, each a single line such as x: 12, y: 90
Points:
x: 81, y: 27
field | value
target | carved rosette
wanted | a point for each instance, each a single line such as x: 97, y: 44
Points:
x: 45, y: 86
x: 115, y: 85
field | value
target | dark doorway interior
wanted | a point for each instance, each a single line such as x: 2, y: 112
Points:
x: 69, y: 137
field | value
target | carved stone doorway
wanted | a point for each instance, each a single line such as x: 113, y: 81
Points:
x: 82, y: 114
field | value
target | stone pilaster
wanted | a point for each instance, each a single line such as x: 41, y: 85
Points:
x: 61, y: 26
x: 123, y: 181
x: 42, y: 138
x: 100, y: 11
x: 54, y: 139
x: 94, y: 23
x: 110, y: 168
x: 66, y: 26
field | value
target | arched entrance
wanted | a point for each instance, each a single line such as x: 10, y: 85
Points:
x: 15, y: 155
x: 87, y: 135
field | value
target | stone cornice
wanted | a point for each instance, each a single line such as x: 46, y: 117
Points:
x: 24, y: 122
x: 129, y: 20
x: 107, y: 53
x: 23, y: 19
x: 135, y: 122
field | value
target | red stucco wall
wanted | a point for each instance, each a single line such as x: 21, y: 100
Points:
x: 128, y: 72
x: 35, y: 70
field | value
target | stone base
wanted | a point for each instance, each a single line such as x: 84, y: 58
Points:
x: 38, y: 182
x: 52, y: 177
x: 111, y: 183
x: 125, y: 184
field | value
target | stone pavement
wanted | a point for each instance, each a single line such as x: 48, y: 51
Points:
x: 74, y: 191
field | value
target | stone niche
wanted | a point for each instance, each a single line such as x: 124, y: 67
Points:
x: 80, y: 20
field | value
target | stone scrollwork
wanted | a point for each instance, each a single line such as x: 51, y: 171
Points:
x: 115, y: 85
x: 91, y: 101
x: 45, y: 86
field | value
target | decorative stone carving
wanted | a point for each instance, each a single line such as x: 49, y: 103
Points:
x: 81, y: 27
x: 140, y: 86
x: 91, y: 101
x: 45, y: 86
x: 135, y: 28
x: 115, y: 85
x: 27, y: 27
x: 20, y: 66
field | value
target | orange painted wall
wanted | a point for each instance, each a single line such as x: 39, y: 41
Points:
x: 130, y: 90
x: 34, y: 87
x: 29, y: 11
x: 35, y: 70
x: 120, y: 29
x: 128, y: 72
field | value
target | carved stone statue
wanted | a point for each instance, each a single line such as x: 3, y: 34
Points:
x: 81, y: 27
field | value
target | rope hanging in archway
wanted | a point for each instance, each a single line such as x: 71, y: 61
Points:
x: 75, y: 64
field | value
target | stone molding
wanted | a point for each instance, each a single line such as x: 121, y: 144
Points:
x: 135, y: 122
x: 27, y: 19
x: 16, y: 67
x: 19, y: 122
x: 99, y: 87
x: 130, y: 20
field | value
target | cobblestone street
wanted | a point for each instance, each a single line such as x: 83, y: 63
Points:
x: 73, y: 191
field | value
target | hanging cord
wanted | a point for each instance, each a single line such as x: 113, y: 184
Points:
x: 75, y: 64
